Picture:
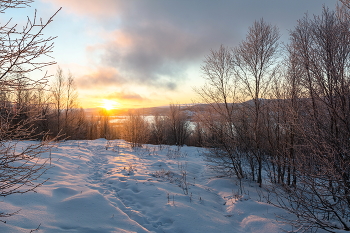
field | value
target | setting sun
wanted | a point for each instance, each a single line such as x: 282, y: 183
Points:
x: 109, y: 104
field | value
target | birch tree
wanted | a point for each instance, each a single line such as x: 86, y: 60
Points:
x: 255, y: 65
x: 218, y: 119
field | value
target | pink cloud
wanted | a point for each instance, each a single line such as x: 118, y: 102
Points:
x: 90, y: 7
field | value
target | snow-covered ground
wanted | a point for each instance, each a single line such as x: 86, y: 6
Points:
x: 106, y: 186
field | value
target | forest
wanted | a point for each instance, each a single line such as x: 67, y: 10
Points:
x: 273, y: 113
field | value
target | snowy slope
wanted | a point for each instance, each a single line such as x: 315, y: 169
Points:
x: 106, y: 186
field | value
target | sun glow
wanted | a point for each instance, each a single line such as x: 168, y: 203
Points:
x: 109, y: 104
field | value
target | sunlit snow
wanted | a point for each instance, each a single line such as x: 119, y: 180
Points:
x: 107, y: 186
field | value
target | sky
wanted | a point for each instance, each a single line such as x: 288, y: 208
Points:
x: 144, y: 53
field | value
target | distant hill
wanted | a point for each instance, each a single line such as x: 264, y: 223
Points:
x: 164, y: 110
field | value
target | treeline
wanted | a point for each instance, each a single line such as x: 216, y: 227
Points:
x: 173, y: 128
x: 42, y: 107
x: 53, y: 108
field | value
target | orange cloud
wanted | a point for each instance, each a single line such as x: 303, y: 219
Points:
x: 123, y: 39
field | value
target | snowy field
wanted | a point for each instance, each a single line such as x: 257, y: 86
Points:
x: 106, y: 186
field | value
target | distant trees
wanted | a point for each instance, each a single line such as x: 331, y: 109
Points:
x: 21, y: 102
x: 159, y: 129
x: 179, y: 125
x: 135, y: 129
x: 172, y: 128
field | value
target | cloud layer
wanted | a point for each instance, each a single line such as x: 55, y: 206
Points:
x: 154, y: 43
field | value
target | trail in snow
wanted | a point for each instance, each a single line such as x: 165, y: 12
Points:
x: 106, y: 186
x: 135, y: 181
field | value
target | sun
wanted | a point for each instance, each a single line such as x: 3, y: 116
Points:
x: 109, y: 104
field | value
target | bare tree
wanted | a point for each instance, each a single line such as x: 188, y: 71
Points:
x: 21, y: 48
x: 70, y: 106
x: 320, y: 51
x: 346, y: 3
x: 218, y: 117
x: 58, y: 93
x: 65, y: 103
x: 255, y: 65
x: 283, y: 119
x: 21, y: 52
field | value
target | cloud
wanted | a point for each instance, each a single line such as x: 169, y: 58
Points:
x: 126, y: 96
x: 154, y: 43
x: 100, y: 77
x: 158, y: 50
x: 148, y: 59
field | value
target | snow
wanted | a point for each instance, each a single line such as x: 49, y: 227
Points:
x: 106, y: 186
